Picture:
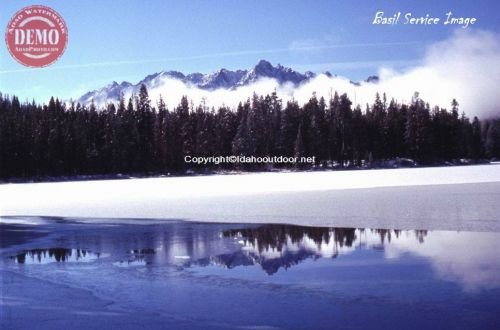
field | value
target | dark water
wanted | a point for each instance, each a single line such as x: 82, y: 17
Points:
x: 128, y: 274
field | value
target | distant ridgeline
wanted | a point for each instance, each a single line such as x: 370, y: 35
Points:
x: 137, y: 137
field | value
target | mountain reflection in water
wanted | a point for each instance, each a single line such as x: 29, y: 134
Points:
x: 466, y: 258
x: 469, y: 259
x: 282, y: 246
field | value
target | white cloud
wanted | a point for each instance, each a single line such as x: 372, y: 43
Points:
x: 466, y: 66
x: 467, y: 258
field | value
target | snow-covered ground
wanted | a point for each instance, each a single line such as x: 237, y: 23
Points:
x: 456, y: 198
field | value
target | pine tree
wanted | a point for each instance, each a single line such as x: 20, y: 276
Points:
x: 298, y: 146
x: 477, y: 150
x: 492, y: 143
x: 333, y: 134
x: 344, y: 129
x: 134, y: 137
x: 243, y: 143
x: 289, y: 124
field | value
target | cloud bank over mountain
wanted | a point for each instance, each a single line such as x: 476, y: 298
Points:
x: 466, y: 66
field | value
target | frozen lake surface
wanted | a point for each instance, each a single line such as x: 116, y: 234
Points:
x: 80, y: 255
x: 137, y: 274
x: 441, y: 198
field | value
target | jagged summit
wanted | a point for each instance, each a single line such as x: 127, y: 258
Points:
x: 222, y: 78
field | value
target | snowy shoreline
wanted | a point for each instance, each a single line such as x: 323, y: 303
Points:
x: 192, y: 173
x: 453, y: 198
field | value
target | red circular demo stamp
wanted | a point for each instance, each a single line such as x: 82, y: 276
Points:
x: 36, y: 36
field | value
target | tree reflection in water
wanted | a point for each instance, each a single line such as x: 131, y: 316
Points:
x: 42, y: 256
x: 282, y: 246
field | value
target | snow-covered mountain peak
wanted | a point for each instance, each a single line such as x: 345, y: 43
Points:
x: 219, y: 79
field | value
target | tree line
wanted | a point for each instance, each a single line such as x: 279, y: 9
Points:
x: 278, y: 236
x: 57, y: 139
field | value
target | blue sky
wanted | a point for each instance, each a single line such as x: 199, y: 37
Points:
x: 126, y: 40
